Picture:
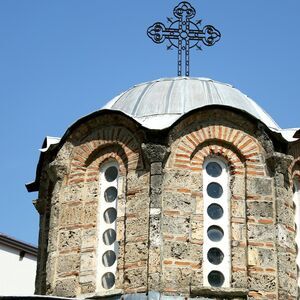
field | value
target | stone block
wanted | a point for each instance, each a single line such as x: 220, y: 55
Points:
x: 120, y: 229
x: 135, y: 278
x: 155, y: 200
x: 176, y: 250
x: 155, y: 260
x: 71, y: 214
x: 238, y: 257
x: 285, y: 238
x: 92, y: 190
x: 69, y: 239
x: 199, y: 205
x: 197, y: 278
x: 177, y: 278
x: 195, y: 253
x: 238, y: 208
x: 196, y: 230
x: 239, y: 279
x: 68, y: 263
x: 238, y: 186
x: 154, y: 281
x: 90, y: 213
x: 50, y: 268
x: 182, y: 179
x: 286, y: 215
x: 88, y: 261
x: 89, y: 238
x: 260, y: 209
x: 253, y: 256
x: 176, y: 225
x: 287, y: 262
x: 135, y: 252
x: 72, y: 193
x: 156, y: 168
x: 83, y: 279
x: 66, y: 288
x: 259, y: 186
x: 261, y: 282
x: 154, y: 223
x: 238, y: 232
x: 264, y: 233
x: 55, y: 215
x: 288, y: 284
x: 178, y: 201
x: 156, y: 181
x: 136, y: 227
x: 88, y: 288
x: 53, y: 240
x: 137, y: 182
x: 137, y: 204
x: 267, y: 258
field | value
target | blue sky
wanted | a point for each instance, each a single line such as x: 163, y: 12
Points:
x: 62, y: 59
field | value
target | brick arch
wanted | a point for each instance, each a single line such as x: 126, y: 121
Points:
x: 294, y: 170
x: 236, y: 166
x: 110, y: 142
x: 245, y: 146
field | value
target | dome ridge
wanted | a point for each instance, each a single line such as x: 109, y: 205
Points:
x: 157, y: 104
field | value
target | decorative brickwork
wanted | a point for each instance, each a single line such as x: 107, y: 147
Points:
x: 220, y: 140
x: 251, y: 196
x: 160, y: 208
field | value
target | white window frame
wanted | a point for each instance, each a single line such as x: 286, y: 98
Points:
x: 103, y: 226
x: 224, y: 222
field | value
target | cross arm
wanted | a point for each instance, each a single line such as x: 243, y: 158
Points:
x: 158, y: 33
x: 209, y: 35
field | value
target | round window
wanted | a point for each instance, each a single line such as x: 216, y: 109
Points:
x: 215, y: 256
x: 109, y: 258
x: 110, y: 194
x: 215, y: 233
x: 213, y: 169
x: 108, y: 280
x: 110, y: 215
x: 111, y: 174
x: 215, y: 211
x: 216, y: 278
x: 109, y: 237
x: 214, y: 190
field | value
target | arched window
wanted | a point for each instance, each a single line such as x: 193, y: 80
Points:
x: 107, y: 236
x: 296, y: 199
x: 216, y: 221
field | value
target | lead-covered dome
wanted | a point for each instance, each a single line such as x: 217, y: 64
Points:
x: 158, y: 104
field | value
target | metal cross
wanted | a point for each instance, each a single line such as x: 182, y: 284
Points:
x: 184, y: 34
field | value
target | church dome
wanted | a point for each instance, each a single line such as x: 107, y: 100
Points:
x: 158, y: 104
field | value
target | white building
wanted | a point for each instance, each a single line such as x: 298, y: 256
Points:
x: 17, y: 267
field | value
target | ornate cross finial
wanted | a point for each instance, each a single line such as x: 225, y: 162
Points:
x: 184, y: 34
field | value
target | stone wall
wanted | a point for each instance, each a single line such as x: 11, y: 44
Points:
x: 160, y: 208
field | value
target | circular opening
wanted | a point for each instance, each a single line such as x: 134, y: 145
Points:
x: 215, y: 256
x: 215, y: 211
x: 108, y: 280
x: 214, y: 190
x: 215, y: 233
x: 110, y: 194
x: 109, y: 237
x: 216, y: 278
x: 110, y: 215
x: 109, y: 258
x: 213, y: 169
x: 111, y: 174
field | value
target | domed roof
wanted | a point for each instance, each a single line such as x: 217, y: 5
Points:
x: 158, y: 104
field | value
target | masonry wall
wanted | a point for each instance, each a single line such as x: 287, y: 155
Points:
x: 160, y: 208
